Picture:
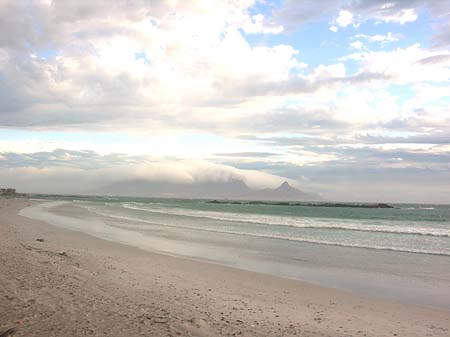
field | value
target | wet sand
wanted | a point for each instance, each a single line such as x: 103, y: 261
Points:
x: 71, y: 284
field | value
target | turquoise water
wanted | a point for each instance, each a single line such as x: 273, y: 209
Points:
x: 409, y: 228
x: 399, y: 253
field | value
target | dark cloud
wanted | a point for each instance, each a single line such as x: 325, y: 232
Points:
x: 295, y: 13
x: 441, y: 37
x: 17, y: 24
x: 364, y: 156
x: 435, y: 59
x: 34, y: 24
x: 418, y: 124
x: 350, y: 156
x: 65, y: 158
x: 234, y: 92
x: 435, y: 138
x: 343, y: 134
x: 299, y: 120
x: 292, y: 141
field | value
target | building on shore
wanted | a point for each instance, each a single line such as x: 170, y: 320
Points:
x: 7, y: 191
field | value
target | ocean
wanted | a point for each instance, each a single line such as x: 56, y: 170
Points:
x: 400, y: 253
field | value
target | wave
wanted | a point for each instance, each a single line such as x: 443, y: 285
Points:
x: 38, y: 199
x: 306, y: 223
x: 417, y: 208
x: 260, y: 235
x: 49, y: 205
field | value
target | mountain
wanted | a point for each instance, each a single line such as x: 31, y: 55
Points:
x: 232, y: 189
x: 284, y: 192
x: 201, y: 190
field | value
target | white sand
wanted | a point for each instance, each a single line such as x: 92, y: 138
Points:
x: 75, y: 285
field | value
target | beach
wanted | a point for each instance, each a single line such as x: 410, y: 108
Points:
x: 58, y: 282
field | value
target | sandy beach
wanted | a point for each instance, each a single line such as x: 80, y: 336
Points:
x: 56, y: 282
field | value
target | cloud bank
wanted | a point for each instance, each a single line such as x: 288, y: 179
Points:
x: 67, y: 171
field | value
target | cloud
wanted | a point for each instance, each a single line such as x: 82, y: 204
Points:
x: 247, y: 154
x: 296, y: 13
x: 441, y: 38
x: 402, y: 17
x: 258, y: 24
x: 131, y: 65
x: 405, y: 65
x: 379, y: 184
x: 372, y: 39
x: 435, y: 59
x: 100, y: 65
x: 384, y: 173
x: 362, y: 178
x: 68, y: 171
x: 389, y: 37
x: 357, y: 45
x: 435, y: 138
x: 345, y: 18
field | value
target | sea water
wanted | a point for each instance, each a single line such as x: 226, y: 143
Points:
x: 400, y: 253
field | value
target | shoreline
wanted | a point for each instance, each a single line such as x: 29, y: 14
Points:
x: 421, y: 280
x: 73, y: 284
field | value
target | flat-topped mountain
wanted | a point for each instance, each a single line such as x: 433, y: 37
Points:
x: 232, y: 189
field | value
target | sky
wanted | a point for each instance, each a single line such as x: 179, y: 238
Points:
x: 349, y: 99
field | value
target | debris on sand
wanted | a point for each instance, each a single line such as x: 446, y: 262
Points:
x: 8, y: 333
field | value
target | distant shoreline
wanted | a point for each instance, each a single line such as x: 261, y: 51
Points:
x: 347, y: 204
x: 296, y: 203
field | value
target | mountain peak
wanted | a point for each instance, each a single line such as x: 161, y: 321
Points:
x: 284, y: 192
x: 285, y: 186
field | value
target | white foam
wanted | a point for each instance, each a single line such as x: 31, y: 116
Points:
x: 321, y: 223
